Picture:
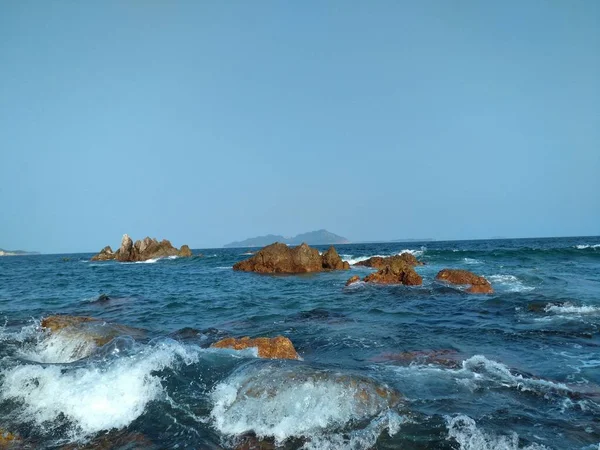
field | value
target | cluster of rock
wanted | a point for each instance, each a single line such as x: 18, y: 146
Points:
x: 279, y: 258
x: 142, y: 250
x: 397, y: 269
x: 476, y: 283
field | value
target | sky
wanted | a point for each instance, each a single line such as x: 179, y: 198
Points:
x: 208, y: 122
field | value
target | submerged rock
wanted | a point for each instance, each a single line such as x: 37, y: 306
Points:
x: 279, y: 258
x: 478, y: 284
x: 9, y: 440
x: 353, y: 279
x: 446, y: 357
x: 74, y: 337
x: 397, y: 273
x: 379, y: 262
x: 273, y: 348
x: 141, y: 250
x: 275, y: 400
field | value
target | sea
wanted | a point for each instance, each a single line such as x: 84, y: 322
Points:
x: 382, y: 367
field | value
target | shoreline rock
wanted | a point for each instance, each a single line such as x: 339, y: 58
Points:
x: 279, y: 258
x: 379, y: 262
x: 278, y: 347
x: 396, y: 271
x: 478, y: 284
x: 141, y: 250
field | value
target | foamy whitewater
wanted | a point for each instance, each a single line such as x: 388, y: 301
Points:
x: 382, y: 367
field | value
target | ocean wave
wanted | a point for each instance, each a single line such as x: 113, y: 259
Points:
x: 569, y: 308
x: 479, y: 372
x: 465, y: 432
x: 101, y: 396
x: 279, y: 401
x: 586, y: 246
x: 511, y: 282
x: 351, y: 259
x: 471, y: 261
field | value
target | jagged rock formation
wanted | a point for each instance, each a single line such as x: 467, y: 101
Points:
x: 141, y: 250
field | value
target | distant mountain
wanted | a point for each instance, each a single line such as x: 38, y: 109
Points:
x: 319, y: 237
x: 15, y: 252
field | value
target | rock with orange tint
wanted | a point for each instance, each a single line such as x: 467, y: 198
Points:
x: 56, y: 323
x: 351, y: 280
x: 478, y: 285
x: 279, y: 258
x: 278, y: 347
x: 398, y: 273
x: 379, y: 262
x: 332, y: 261
x: 8, y: 440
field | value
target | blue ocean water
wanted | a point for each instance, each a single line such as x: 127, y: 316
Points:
x: 516, y: 369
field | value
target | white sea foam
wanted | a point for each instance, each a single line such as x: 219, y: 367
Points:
x: 63, y: 346
x: 172, y: 257
x: 477, y: 373
x: 148, y: 261
x: 569, y: 308
x: 92, y: 398
x: 510, y: 282
x: 585, y: 246
x: 471, y: 261
x: 464, y: 430
x: 272, y: 400
x: 413, y: 252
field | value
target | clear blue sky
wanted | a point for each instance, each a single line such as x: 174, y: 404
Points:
x: 206, y: 122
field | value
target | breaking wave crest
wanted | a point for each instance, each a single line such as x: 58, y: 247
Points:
x: 100, y: 396
x: 465, y: 432
x: 296, y: 401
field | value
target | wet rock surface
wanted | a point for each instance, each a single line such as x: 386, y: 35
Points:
x: 279, y: 258
x: 478, y: 284
x: 273, y: 348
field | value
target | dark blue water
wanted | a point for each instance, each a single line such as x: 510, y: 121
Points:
x: 516, y: 369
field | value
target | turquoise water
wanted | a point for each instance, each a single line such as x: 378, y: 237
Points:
x: 516, y: 369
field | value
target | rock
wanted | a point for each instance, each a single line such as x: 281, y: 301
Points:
x: 115, y: 440
x: 397, y: 273
x: 105, y: 254
x: 379, y: 262
x: 272, y: 348
x: 185, y: 252
x: 332, y: 261
x: 447, y: 358
x: 353, y: 279
x: 126, y: 251
x: 88, y: 329
x: 279, y: 258
x: 9, y: 440
x: 478, y: 285
x: 142, y: 250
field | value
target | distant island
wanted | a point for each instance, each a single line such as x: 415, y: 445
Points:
x: 15, y: 252
x: 319, y: 237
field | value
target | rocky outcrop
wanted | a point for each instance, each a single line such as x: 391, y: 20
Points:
x: 478, y: 285
x: 379, y: 262
x: 332, y: 261
x: 352, y: 279
x: 105, y: 254
x: 141, y: 250
x: 396, y: 273
x: 272, y: 348
x: 279, y: 258
x: 8, y: 440
x: 88, y: 329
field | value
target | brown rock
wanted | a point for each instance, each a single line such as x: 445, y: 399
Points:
x: 279, y: 258
x: 397, y: 273
x: 9, y: 440
x: 379, y: 262
x: 353, y: 279
x: 332, y: 261
x: 446, y: 358
x: 105, y: 254
x: 88, y: 328
x: 142, y: 250
x: 272, y: 348
x: 185, y: 251
x: 478, y: 285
